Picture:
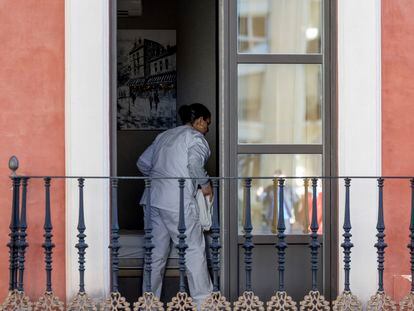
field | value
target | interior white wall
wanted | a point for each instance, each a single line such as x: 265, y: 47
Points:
x: 359, y: 130
x: 87, y: 139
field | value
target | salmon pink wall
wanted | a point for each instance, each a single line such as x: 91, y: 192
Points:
x: 397, y: 134
x: 32, y: 128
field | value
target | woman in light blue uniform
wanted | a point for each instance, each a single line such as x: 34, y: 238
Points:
x: 179, y: 152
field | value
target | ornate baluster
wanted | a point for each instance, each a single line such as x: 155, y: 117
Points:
x: 114, y: 236
x: 347, y: 245
x: 48, y: 301
x: 381, y: 245
x: 315, y: 245
x: 380, y: 301
x: 182, y: 246
x: 22, y: 239
x: 14, y: 231
x: 81, y: 246
x: 148, y: 239
x: 22, y: 235
x: 115, y: 301
x: 215, y: 235
x: 281, y: 245
x: 216, y: 301
x: 48, y: 245
x: 148, y: 301
x: 16, y: 234
x: 407, y: 303
x: 411, y: 245
x: 347, y: 301
x: 16, y: 299
x: 81, y: 300
x: 314, y: 300
x: 182, y: 301
x: 248, y: 238
x: 281, y: 300
x: 248, y: 300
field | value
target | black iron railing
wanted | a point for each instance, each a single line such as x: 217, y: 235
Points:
x: 280, y: 301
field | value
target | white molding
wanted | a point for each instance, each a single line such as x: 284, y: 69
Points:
x: 87, y: 139
x: 359, y: 130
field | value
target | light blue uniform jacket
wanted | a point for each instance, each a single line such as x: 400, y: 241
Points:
x: 178, y: 152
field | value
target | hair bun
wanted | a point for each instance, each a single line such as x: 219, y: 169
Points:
x: 189, y: 113
x: 185, y: 113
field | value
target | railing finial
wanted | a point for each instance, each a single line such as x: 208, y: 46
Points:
x: 13, y: 165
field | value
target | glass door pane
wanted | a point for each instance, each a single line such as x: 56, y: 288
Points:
x: 296, y: 208
x: 279, y: 26
x: 279, y: 104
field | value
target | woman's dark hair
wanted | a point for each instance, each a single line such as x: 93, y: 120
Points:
x: 190, y: 113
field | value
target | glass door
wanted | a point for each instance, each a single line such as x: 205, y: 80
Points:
x: 280, y: 125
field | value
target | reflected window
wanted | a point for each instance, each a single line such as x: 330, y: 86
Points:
x: 279, y: 104
x: 279, y: 26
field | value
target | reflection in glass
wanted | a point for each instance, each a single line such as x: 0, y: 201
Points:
x: 279, y: 26
x: 279, y: 104
x: 297, y: 208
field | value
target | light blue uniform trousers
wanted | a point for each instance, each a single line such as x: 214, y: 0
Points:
x: 165, y: 228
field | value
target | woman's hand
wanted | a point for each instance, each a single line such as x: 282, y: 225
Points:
x: 207, y: 190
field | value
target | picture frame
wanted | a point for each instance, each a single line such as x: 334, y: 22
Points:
x: 146, y: 80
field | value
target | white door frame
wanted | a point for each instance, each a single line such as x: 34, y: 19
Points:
x: 359, y: 132
x: 87, y: 139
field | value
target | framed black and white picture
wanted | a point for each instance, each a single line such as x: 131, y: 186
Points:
x: 147, y: 79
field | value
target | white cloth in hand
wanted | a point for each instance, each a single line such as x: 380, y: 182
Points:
x: 204, y: 205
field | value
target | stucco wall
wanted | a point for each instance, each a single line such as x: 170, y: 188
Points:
x: 397, y: 127
x: 32, y: 128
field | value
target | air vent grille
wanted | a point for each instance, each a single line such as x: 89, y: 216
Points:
x: 128, y: 8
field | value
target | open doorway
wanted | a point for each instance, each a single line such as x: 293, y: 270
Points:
x: 277, y: 103
x: 166, y: 57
